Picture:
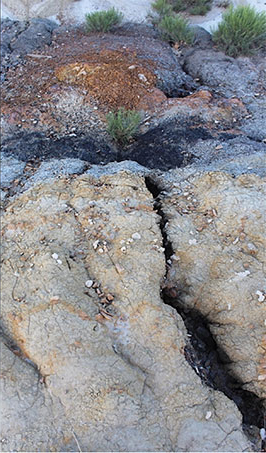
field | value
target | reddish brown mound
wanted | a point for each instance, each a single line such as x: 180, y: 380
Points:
x: 112, y: 79
x: 115, y: 76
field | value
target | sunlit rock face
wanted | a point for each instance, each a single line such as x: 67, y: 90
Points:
x: 85, y: 326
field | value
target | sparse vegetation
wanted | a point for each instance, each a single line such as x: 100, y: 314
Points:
x: 162, y: 8
x: 167, y: 7
x: 123, y: 125
x: 241, y: 32
x: 103, y: 21
x: 176, y: 29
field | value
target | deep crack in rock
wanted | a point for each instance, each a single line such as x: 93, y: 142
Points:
x: 202, y: 352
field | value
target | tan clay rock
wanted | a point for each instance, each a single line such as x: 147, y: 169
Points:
x: 111, y: 354
x: 217, y: 228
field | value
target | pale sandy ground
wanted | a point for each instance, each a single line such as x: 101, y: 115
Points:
x: 135, y: 10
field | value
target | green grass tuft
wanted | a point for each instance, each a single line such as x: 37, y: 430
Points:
x: 123, y: 125
x: 167, y: 7
x: 241, y: 32
x: 176, y: 29
x: 195, y: 7
x: 103, y: 21
x: 162, y: 8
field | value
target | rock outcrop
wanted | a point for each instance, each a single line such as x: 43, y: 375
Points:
x: 217, y: 230
x: 100, y: 355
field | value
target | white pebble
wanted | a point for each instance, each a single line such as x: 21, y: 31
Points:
x: 89, y: 283
x: 262, y: 377
x: 95, y: 244
x: 142, y: 77
x: 123, y: 249
x: 240, y: 275
x: 192, y: 241
x: 100, y: 250
x: 208, y: 415
x: 59, y: 261
x: 175, y: 258
x: 262, y: 433
x: 260, y: 295
x: 136, y: 236
x: 55, y: 256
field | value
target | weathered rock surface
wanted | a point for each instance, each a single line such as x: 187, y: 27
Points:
x: 217, y: 229
x: 11, y: 169
x: 111, y: 356
x: 20, y: 38
x: 227, y: 76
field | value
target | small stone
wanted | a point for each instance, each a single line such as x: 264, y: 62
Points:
x: 262, y: 377
x: 59, y: 261
x: 100, y: 250
x: 95, y: 244
x: 260, y: 295
x: 142, y: 77
x: 192, y: 241
x: 54, y: 299
x: 123, y: 249
x: 136, y: 236
x: 55, y: 256
x: 208, y: 415
x: 119, y: 269
x: 89, y: 283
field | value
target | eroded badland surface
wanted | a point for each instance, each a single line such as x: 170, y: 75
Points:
x: 133, y: 304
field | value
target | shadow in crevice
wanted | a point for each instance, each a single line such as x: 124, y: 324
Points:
x: 202, y: 352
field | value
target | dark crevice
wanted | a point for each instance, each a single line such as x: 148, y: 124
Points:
x: 202, y: 352
x: 17, y: 351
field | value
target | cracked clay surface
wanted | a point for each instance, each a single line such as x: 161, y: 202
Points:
x: 82, y: 267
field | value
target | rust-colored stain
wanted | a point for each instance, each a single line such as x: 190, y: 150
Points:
x: 112, y: 80
x: 114, y: 77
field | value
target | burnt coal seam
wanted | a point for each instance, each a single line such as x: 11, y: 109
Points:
x: 202, y: 352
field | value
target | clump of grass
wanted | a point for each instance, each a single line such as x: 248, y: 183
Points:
x: 162, y: 8
x: 123, y: 125
x: 201, y: 8
x: 167, y: 7
x: 241, y: 32
x: 103, y: 21
x: 195, y: 7
x: 176, y: 29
